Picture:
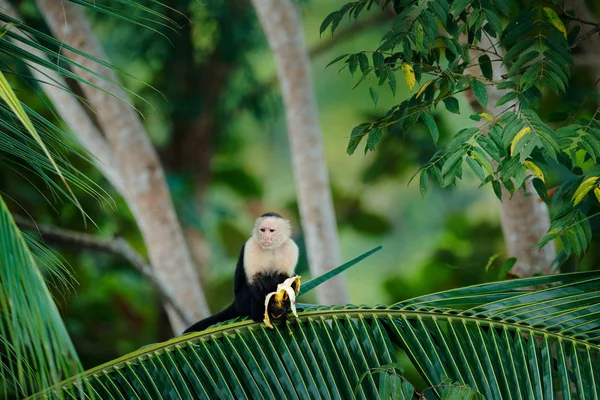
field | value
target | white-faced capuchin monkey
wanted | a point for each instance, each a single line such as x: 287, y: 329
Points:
x: 268, y: 258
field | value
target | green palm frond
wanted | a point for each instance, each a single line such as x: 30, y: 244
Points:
x: 9, y: 97
x: 35, y: 349
x: 52, y: 265
x: 530, y: 338
x: 42, y: 51
x: 22, y: 151
x: 152, y: 16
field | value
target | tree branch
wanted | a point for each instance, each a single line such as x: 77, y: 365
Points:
x: 343, y: 35
x: 585, y: 36
x: 117, y: 246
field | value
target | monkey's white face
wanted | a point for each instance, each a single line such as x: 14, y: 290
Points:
x: 271, y: 232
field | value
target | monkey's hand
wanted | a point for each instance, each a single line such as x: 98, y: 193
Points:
x: 278, y: 302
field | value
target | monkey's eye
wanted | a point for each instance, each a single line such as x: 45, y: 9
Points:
x: 262, y: 229
x: 272, y: 230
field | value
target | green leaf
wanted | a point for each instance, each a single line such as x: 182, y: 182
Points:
x: 313, y: 283
x: 476, y: 168
x: 36, y: 347
x: 356, y: 136
x: 481, y: 158
x: 10, y: 98
x: 458, y: 6
x: 494, y: 21
x: 337, y: 59
x: 519, y: 49
x: 391, y: 80
x: 452, y: 105
x: 523, y: 60
x: 540, y: 189
x: 497, y: 189
x: 485, y: 64
x: 503, y: 6
x: 419, y: 37
x: 378, y: 63
x: 430, y: 122
x: 373, y: 138
x: 363, y: 61
x: 452, y: 160
x: 374, y: 95
x: 424, y: 182
x: 352, y: 63
x: 332, y: 19
x: 480, y: 93
x: 475, y: 19
x: 510, y: 96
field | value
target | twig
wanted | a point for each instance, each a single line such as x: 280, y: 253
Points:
x: 579, y: 20
x: 585, y: 36
x: 343, y: 35
x: 116, y: 246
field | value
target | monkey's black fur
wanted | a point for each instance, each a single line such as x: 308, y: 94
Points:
x: 249, y: 298
x: 271, y: 214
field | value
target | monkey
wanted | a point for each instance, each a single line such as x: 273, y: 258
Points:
x: 266, y: 259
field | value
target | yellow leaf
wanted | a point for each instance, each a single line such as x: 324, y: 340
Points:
x: 534, y: 169
x: 420, y: 92
x: 584, y: 189
x: 483, y: 162
x: 409, y: 76
x: 597, y: 193
x: 518, y: 137
x: 555, y: 20
x: 487, y: 116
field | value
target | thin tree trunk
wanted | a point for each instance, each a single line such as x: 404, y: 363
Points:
x: 139, y: 167
x: 524, y: 217
x: 283, y: 29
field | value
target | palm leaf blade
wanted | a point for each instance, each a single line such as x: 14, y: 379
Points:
x: 500, y: 348
x: 37, y: 351
x: 305, y: 350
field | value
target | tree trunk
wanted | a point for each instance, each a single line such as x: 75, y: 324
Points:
x: 524, y: 216
x: 139, y: 167
x: 283, y: 29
